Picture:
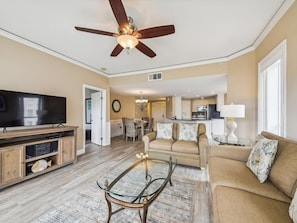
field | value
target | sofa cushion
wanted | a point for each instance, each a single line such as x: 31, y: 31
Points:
x: 262, y: 157
x: 161, y: 144
x: 188, y: 132
x: 164, y: 130
x: 284, y: 170
x: 185, y: 147
x: 231, y: 205
x: 235, y: 174
x: 293, y: 208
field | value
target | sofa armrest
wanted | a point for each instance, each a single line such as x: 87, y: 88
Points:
x: 147, y: 139
x: 240, y: 153
x: 203, y: 146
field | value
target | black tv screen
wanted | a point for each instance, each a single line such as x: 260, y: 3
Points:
x: 26, y: 109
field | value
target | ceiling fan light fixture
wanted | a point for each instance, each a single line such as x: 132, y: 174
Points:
x: 128, y: 35
x: 127, y: 41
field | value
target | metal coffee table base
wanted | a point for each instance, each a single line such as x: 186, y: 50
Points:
x: 144, y: 205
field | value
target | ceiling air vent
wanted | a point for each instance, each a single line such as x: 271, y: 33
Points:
x: 155, y: 76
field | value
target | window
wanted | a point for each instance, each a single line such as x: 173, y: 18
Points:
x: 271, y: 92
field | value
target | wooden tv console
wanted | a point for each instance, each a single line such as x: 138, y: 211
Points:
x: 55, y: 144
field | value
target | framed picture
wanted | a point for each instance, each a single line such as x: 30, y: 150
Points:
x: 88, y: 111
x: 116, y: 105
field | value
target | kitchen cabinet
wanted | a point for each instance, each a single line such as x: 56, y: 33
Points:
x: 218, y: 126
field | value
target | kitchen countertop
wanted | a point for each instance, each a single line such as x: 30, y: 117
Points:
x: 189, y: 120
x: 192, y: 120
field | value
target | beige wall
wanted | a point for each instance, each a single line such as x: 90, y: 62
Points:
x: 203, y: 70
x: 285, y: 29
x: 242, y: 76
x: 26, y: 69
x: 128, y: 107
x: 242, y: 89
x: 241, y: 86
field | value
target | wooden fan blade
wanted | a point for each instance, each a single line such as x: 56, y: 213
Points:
x: 145, y: 49
x: 119, y: 12
x: 156, y: 31
x: 116, y: 51
x: 96, y: 31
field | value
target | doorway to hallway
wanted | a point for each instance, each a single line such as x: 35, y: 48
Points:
x: 96, y: 128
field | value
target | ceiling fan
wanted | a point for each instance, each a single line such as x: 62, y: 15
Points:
x: 128, y: 36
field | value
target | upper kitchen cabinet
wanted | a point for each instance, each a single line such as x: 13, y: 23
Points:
x: 203, y: 101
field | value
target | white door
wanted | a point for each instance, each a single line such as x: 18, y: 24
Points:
x: 158, y: 111
x: 96, y: 135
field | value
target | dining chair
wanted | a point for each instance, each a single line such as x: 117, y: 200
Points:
x: 145, y: 118
x: 131, y: 129
x: 149, y: 127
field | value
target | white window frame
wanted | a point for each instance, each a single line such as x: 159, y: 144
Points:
x: 278, y: 53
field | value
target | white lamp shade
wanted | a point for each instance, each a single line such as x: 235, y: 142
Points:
x: 233, y: 111
x: 127, y: 41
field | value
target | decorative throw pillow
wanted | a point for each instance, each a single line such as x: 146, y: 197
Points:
x: 293, y: 208
x: 188, y: 132
x: 164, y: 130
x: 261, y: 158
x: 259, y: 137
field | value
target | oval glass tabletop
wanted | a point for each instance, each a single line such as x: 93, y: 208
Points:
x: 140, y: 176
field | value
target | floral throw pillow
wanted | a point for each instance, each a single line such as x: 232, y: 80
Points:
x: 261, y: 158
x: 188, y: 132
x: 164, y: 130
x: 293, y: 208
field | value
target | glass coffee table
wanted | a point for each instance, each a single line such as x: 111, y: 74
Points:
x: 137, y: 182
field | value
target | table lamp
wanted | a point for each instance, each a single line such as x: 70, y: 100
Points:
x: 231, y: 112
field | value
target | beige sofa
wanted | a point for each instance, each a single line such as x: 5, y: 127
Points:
x: 237, y: 194
x: 187, y: 152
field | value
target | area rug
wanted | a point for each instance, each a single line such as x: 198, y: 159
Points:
x: 175, y: 204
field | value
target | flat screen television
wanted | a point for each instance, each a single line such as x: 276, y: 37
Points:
x: 28, y: 109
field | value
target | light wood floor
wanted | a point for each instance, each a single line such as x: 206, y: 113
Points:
x: 26, y: 201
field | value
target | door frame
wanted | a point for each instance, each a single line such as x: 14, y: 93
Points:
x: 104, y: 114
